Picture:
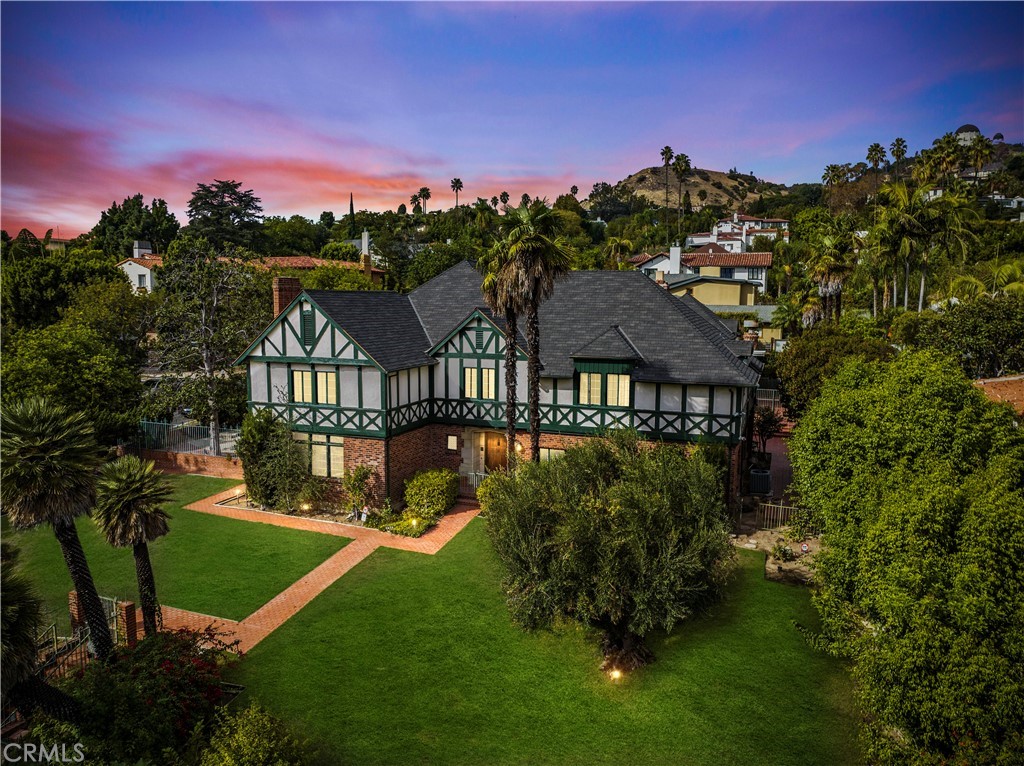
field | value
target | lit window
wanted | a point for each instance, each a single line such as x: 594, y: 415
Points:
x: 302, y: 386
x: 590, y: 388
x: 326, y: 453
x: 547, y: 454
x: 327, y: 388
x: 488, y: 383
x: 618, y: 391
x: 453, y: 443
x: 469, y: 382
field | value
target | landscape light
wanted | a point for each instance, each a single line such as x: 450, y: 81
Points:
x: 616, y: 674
x: 519, y: 447
x: 305, y: 506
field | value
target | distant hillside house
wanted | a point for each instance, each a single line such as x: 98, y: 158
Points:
x: 713, y: 260
x: 402, y: 383
x: 736, y: 234
x: 713, y: 290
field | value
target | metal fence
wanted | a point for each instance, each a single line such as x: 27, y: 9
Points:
x: 191, y: 438
x: 775, y: 515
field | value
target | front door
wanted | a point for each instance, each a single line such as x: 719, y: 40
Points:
x: 495, y: 451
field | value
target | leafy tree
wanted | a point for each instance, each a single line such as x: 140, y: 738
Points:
x: 538, y: 255
x: 121, y: 316
x: 225, y: 214
x: 394, y: 250
x: 811, y: 359
x: 457, y: 187
x: 437, y: 257
x: 614, y: 535
x: 767, y: 425
x: 36, y: 289
x: 335, y: 278
x: 212, y: 307
x: 295, y: 235
x: 129, y: 496
x: 915, y: 479
x: 77, y: 366
x: 340, y: 251
x: 121, y: 225
x: 985, y: 336
x: 49, y: 458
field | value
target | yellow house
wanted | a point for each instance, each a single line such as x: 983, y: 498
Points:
x: 713, y: 289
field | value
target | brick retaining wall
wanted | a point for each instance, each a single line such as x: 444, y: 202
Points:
x: 183, y: 462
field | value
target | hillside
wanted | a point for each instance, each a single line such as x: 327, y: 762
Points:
x: 727, y: 189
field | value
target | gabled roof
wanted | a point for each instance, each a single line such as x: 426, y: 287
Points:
x: 382, y: 323
x: 145, y: 261
x: 611, y: 344
x: 684, y: 280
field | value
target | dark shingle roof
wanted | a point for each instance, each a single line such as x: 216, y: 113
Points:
x: 673, y: 339
x: 611, y: 344
x: 383, y: 323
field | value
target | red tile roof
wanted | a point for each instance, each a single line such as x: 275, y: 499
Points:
x: 711, y: 247
x: 145, y: 261
x: 1006, y: 389
x: 757, y: 260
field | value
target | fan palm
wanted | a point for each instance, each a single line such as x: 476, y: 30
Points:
x: 980, y: 152
x: 424, y: 195
x: 414, y: 200
x: 876, y: 156
x: 680, y: 167
x: 129, y: 493
x: 20, y: 613
x: 666, y: 157
x: 50, y: 457
x: 504, y: 297
x: 617, y: 249
x: 898, y: 150
x: 539, y: 256
x: 456, y: 187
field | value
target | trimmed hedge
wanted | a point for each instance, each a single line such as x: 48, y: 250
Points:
x: 429, y: 495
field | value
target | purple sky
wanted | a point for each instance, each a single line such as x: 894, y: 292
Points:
x: 307, y: 102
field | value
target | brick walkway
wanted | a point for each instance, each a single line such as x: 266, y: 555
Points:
x: 288, y: 602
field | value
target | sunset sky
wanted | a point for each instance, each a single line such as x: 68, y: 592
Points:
x: 307, y: 102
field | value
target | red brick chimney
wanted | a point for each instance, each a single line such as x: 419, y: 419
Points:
x: 286, y: 289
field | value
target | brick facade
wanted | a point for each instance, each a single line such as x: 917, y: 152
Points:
x: 183, y: 462
x: 371, y: 452
x: 419, y: 449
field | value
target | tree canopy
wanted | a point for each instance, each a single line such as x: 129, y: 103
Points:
x: 225, y: 214
x: 916, y: 481
x: 618, y: 534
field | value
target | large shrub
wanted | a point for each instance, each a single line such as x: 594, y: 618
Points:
x: 144, y: 700
x: 275, y: 467
x: 618, y: 534
x: 253, y: 737
x: 811, y: 359
x: 431, y: 494
x: 918, y: 484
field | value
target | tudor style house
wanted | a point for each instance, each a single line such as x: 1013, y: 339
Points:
x: 407, y: 382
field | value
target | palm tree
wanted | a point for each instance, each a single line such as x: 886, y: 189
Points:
x: 617, y: 249
x: 424, y: 195
x: 414, y: 200
x: 20, y: 617
x: 831, y: 178
x: 129, y: 493
x: 876, y: 156
x: 494, y: 202
x: 574, y: 190
x: 666, y: 157
x: 456, y: 187
x: 702, y: 195
x: 829, y: 264
x: 980, y: 153
x: 504, y: 297
x: 680, y: 167
x: 949, y: 222
x: 898, y: 150
x: 948, y: 154
x: 504, y: 197
x: 50, y: 457
x: 538, y: 255
x: 788, y: 315
x: 905, y: 223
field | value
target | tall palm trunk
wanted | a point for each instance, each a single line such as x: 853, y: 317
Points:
x: 906, y: 284
x: 920, y: 292
x: 151, y: 617
x: 511, y: 405
x: 874, y: 297
x: 88, y: 598
x: 533, y: 375
x: 34, y: 693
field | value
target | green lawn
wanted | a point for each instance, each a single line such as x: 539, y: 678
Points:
x: 412, y: 659
x: 206, y: 564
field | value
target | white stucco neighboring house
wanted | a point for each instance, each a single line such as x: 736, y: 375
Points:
x: 139, y: 268
x: 736, y: 234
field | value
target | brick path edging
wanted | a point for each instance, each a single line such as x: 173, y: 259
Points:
x: 265, y: 620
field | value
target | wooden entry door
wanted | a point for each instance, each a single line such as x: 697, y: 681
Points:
x: 495, y: 453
